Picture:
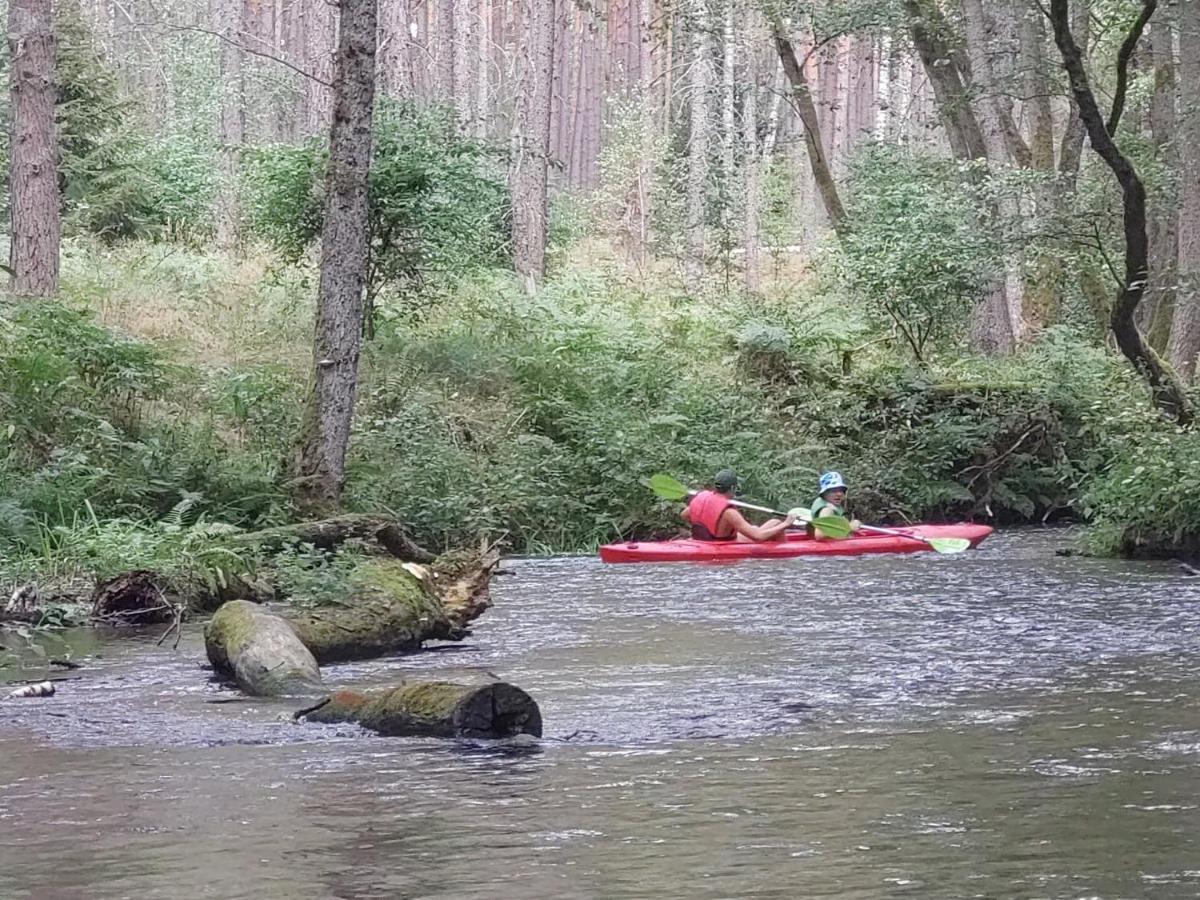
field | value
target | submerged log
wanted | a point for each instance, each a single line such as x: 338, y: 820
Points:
x: 435, y: 708
x: 260, y: 651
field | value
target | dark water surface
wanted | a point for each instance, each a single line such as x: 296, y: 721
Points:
x: 1002, y: 724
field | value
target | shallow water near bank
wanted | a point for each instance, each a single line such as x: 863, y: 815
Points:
x: 1004, y: 723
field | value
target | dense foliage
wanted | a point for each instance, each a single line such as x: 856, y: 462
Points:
x: 436, y: 205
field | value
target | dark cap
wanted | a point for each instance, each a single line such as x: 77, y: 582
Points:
x: 726, y: 480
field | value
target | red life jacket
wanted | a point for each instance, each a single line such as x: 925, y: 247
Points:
x: 705, y: 514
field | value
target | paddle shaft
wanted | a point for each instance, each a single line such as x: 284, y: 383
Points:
x: 894, y: 532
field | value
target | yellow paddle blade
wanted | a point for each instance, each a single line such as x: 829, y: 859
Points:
x: 667, y: 487
x: 831, y: 526
x: 949, y: 545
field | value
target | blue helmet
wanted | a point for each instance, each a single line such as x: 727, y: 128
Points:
x: 831, y: 480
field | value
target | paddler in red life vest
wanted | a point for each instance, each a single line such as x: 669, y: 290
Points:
x: 713, y: 518
x: 831, y: 502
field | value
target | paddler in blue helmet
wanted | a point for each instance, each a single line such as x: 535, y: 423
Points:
x: 713, y: 516
x: 831, y: 501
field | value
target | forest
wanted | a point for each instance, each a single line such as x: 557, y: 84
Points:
x: 483, y: 266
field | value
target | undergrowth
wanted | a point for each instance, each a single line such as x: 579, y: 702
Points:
x: 136, y: 437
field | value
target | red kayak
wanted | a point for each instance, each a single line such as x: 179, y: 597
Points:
x: 796, y: 544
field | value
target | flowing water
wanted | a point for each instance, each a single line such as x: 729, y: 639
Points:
x: 1006, y: 723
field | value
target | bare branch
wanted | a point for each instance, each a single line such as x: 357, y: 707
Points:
x: 1123, y: 57
x: 167, y: 26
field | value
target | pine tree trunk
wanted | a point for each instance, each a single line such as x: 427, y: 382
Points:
x: 442, y: 45
x: 229, y: 15
x: 344, y: 240
x: 529, y: 168
x: 320, y: 34
x: 728, y: 123
x: 464, y: 81
x: 1185, y: 330
x: 480, y: 27
x: 700, y: 127
x: 395, y: 77
x: 36, y: 231
x: 754, y: 36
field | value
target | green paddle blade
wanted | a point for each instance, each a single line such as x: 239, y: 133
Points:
x: 667, y: 487
x: 949, y: 545
x: 831, y: 526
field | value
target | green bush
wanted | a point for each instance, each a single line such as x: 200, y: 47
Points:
x: 438, y: 207
x: 98, y: 421
x: 919, y: 250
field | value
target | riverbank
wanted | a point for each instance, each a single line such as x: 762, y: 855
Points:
x: 155, y: 405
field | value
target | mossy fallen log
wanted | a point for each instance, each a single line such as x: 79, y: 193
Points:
x: 435, y: 708
x: 328, y: 534
x: 260, y: 651
x: 396, y: 607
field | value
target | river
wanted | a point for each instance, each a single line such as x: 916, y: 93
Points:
x: 1006, y: 723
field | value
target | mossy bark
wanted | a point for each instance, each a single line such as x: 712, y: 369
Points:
x: 260, y: 652
x: 395, y: 608
x: 435, y: 708
x: 393, y: 611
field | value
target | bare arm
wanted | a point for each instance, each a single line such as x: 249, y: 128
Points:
x: 755, y: 532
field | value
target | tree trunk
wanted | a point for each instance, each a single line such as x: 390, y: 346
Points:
x: 328, y: 534
x: 1154, y: 313
x: 395, y: 76
x: 927, y: 27
x: 493, y: 709
x: 753, y: 157
x: 1071, y: 149
x: 463, y: 74
x: 1004, y: 299
x: 442, y: 44
x: 320, y: 31
x: 36, y: 230
x: 1169, y: 393
x: 700, y: 128
x: 529, y: 166
x: 396, y: 607
x: 803, y: 101
x: 1185, y: 330
x: 1042, y: 292
x: 481, y: 25
x: 229, y: 15
x: 326, y: 428
x: 728, y: 125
